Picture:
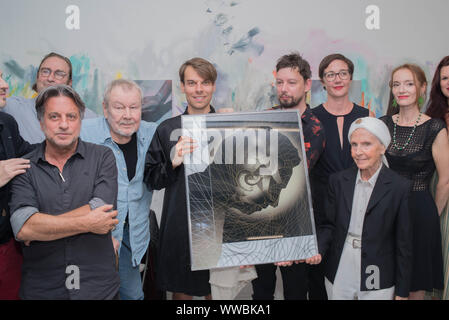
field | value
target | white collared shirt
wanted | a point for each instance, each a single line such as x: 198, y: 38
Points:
x: 362, y: 194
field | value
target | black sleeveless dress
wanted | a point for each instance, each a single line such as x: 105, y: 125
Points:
x: 334, y: 158
x: 415, y: 163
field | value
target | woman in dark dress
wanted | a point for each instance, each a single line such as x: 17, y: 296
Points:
x: 439, y: 108
x: 419, y: 145
x: 336, y: 116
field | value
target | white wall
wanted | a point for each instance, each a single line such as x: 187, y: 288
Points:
x: 150, y: 39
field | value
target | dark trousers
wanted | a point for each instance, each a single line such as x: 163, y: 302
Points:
x: 317, y: 289
x: 294, y: 279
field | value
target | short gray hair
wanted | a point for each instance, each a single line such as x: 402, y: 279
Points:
x: 123, y: 83
x: 57, y: 91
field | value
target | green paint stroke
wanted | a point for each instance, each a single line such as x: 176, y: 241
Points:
x: 80, y: 71
x: 88, y: 87
x: 21, y: 79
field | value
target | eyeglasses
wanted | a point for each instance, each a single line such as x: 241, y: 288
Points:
x: 343, y: 75
x: 58, y: 74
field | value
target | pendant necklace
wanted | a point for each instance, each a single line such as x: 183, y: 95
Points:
x: 395, y: 144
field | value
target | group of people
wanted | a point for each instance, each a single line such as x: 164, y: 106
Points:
x: 75, y: 193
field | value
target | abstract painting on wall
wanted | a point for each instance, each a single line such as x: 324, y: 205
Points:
x: 156, y: 99
x: 248, y: 195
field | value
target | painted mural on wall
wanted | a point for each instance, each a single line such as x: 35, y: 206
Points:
x: 156, y: 99
x: 244, y: 55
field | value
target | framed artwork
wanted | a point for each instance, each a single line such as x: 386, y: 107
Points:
x: 248, y: 194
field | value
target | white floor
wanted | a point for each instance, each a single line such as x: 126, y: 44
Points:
x: 246, y: 293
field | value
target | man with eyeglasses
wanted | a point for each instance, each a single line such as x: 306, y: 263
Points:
x: 12, y: 147
x: 122, y: 130
x: 54, y: 69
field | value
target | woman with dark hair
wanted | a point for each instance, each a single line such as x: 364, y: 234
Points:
x: 439, y: 108
x: 419, y: 146
x: 336, y: 116
x: 439, y: 93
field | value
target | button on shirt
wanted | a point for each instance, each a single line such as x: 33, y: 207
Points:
x: 362, y: 194
x: 134, y: 198
x: 88, y: 177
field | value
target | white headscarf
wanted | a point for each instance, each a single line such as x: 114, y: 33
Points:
x: 376, y: 127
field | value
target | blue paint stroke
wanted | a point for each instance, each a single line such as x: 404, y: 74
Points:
x: 220, y: 20
x: 89, y: 91
x: 15, y: 69
x: 227, y: 30
x: 246, y: 43
x: 21, y: 80
x: 80, y: 71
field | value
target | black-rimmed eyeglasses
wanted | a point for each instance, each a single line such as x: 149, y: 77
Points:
x: 342, y: 74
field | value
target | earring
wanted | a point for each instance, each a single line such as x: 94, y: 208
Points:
x: 395, y: 103
x: 420, y: 101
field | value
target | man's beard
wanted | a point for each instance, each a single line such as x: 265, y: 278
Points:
x: 292, y: 104
x: 123, y: 133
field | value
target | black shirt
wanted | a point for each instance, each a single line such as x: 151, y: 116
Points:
x: 11, y: 146
x: 3, y: 192
x: 313, y: 134
x: 90, y: 173
x: 5, y: 228
x: 2, y: 149
x: 130, y: 153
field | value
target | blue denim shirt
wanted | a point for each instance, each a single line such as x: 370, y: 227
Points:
x: 133, y: 196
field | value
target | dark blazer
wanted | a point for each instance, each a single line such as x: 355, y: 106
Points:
x: 13, y: 143
x: 14, y: 147
x: 387, y: 229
